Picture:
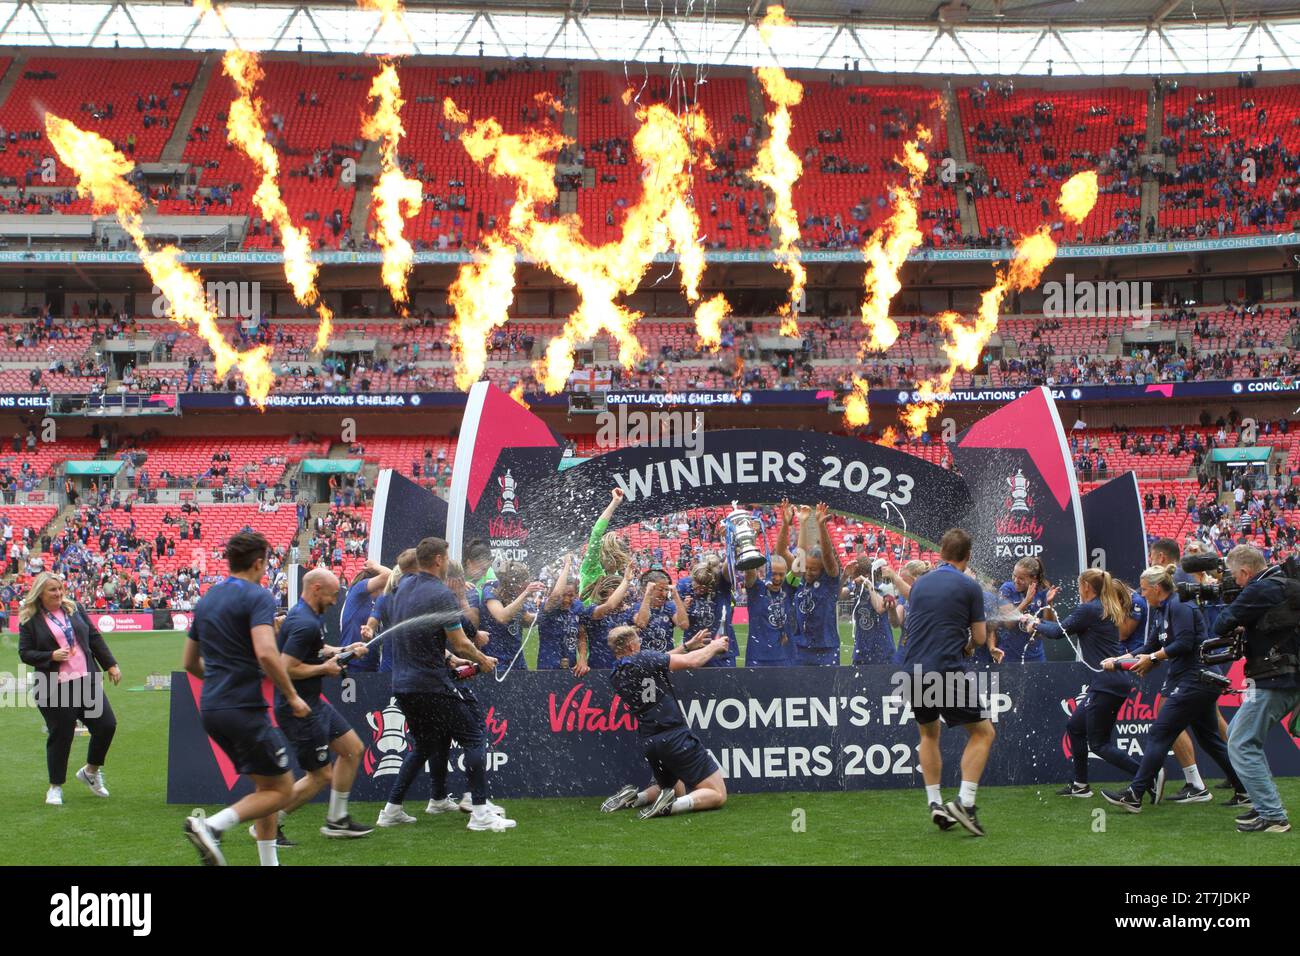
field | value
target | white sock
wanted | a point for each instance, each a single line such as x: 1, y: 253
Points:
x: 933, y: 795
x: 338, y: 806
x: 223, y: 820
x: 642, y: 799
x: 468, y: 798
x: 684, y: 804
x: 392, y: 809
x: 1193, y: 777
x: 266, y: 855
x: 967, y: 793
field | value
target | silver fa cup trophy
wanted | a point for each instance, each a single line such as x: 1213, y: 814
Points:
x: 744, y: 531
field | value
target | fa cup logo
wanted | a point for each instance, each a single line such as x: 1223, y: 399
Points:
x: 389, y: 726
x: 506, y: 503
x: 1019, y: 487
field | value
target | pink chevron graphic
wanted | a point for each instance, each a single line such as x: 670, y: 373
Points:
x: 1166, y: 389
x: 229, y: 775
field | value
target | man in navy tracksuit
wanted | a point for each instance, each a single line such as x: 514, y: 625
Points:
x: 436, y: 706
x: 1191, y: 691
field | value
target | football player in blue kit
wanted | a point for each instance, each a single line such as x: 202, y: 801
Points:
x: 308, y: 659
x: 1028, y: 592
x: 687, y: 778
x: 816, y: 597
x: 873, y: 637
x: 557, y: 622
x: 610, y: 608
x: 706, y: 595
x: 231, y: 643
x: 661, y: 612
x: 1096, y: 625
x: 1175, y: 634
x: 770, y: 616
x: 504, y: 615
x: 358, y: 607
x: 945, y: 621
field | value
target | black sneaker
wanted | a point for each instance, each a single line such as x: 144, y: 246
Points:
x: 660, y: 806
x: 621, y: 800
x: 1261, y: 825
x: 345, y: 829
x: 1240, y: 799
x: 1075, y: 790
x: 1250, y: 816
x: 282, y: 842
x: 1190, y: 794
x: 965, y: 816
x: 941, y: 817
x: 1127, y: 798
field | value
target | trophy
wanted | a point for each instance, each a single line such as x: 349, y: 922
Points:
x: 742, y: 531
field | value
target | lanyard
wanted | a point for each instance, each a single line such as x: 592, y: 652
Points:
x: 65, y: 626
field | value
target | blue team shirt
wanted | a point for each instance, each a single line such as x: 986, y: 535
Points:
x: 1180, y: 630
x: 1097, y: 638
x: 873, y: 638
x: 712, y: 614
x: 358, y: 607
x: 814, y: 603
x: 1141, y: 614
x: 557, y: 635
x: 503, y: 639
x: 943, y: 605
x: 302, y: 635
x: 223, y: 625
x: 420, y: 660
x: 599, y: 656
x: 1015, y: 642
x: 641, y: 679
x: 770, y: 619
x: 657, y: 635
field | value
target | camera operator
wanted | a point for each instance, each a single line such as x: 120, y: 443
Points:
x: 1268, y: 611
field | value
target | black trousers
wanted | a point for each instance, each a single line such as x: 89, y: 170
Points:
x: 61, y: 720
x: 1193, y: 707
x: 434, y: 720
x: 1090, y: 727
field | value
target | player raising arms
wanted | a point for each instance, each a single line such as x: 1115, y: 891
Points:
x: 687, y: 778
x: 233, y: 634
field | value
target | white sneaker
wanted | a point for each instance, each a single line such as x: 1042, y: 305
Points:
x: 95, y: 781
x: 467, y: 806
x: 394, y: 819
x: 54, y: 796
x: 467, y: 803
x: 486, y: 820
x: 445, y: 805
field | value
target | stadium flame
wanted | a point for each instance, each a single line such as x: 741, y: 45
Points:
x: 885, y: 253
x: 778, y: 167
x: 661, y: 220
x: 396, y: 197
x: 965, y: 342
x: 102, y: 176
x: 246, y: 130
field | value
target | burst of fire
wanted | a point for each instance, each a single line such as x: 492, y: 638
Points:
x: 965, y: 342
x: 102, y: 175
x: 396, y: 197
x: 778, y: 167
x: 517, y: 393
x: 244, y: 128
x: 885, y: 253
x: 708, y: 321
x: 661, y: 220
x: 1078, y: 196
x: 889, y: 437
x: 480, y: 298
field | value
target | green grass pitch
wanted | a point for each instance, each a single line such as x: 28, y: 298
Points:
x: 1026, y: 825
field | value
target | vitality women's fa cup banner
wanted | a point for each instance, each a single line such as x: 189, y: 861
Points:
x: 1013, y: 487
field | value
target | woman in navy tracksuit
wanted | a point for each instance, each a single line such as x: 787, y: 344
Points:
x: 1095, y: 626
x: 1175, y: 633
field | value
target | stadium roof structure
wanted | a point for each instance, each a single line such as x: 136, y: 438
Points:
x: 1121, y: 38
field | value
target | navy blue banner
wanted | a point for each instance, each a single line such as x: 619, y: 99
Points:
x: 1115, y: 528
x: 991, y: 395
x: 771, y: 729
